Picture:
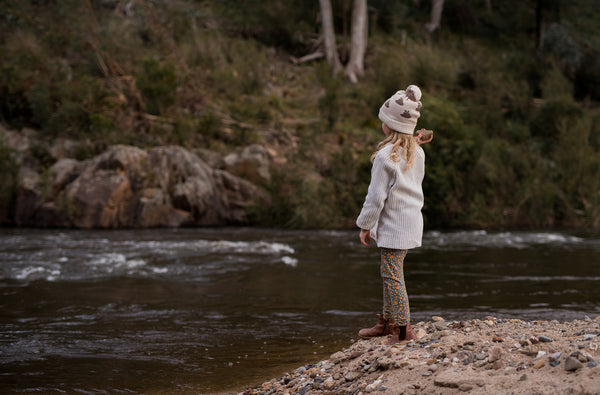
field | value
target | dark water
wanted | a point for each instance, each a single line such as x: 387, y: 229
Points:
x: 208, y: 310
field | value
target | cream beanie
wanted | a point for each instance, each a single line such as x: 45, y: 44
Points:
x: 401, y: 111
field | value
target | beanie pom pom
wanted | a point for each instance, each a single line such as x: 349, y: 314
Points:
x: 413, y: 93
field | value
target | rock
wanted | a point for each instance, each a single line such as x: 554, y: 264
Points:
x: 251, y: 163
x: 211, y: 158
x: 554, y: 363
x: 436, y: 318
x: 63, y: 148
x: 129, y: 187
x: 495, y: 354
x: 351, y: 376
x: 572, y: 364
x: 465, y: 387
x: 555, y: 356
x: 589, y: 336
x: 420, y: 333
x: 329, y: 383
x: 427, y: 373
x: 545, y: 339
x: 440, y: 325
x: 338, y: 357
x: 539, y: 364
x: 373, y: 386
x: 497, y: 339
x: 540, y: 354
x: 591, y: 364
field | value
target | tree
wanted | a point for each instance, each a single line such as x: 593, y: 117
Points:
x: 436, y: 16
x: 358, y: 38
x: 331, y: 53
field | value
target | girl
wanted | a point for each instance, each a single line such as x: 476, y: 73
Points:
x: 391, y: 213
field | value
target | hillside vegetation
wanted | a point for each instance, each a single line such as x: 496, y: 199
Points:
x: 517, y: 125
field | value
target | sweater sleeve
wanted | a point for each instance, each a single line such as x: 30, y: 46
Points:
x: 381, y: 178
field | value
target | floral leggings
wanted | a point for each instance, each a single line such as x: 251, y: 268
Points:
x: 395, y: 298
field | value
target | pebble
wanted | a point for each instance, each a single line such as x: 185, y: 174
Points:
x: 555, y: 356
x: 497, y: 339
x: 545, y: 339
x: 591, y: 364
x: 572, y: 364
x: 539, y: 364
x: 554, y: 363
x: 540, y: 354
x: 373, y: 386
x: 428, y: 373
x: 589, y: 336
x: 328, y: 384
x: 351, y: 376
x: 436, y: 318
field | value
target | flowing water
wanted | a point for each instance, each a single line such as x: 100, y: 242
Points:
x: 209, y: 310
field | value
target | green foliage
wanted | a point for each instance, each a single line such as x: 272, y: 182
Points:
x: 157, y: 82
x: 8, y: 186
x: 329, y: 103
x: 512, y: 146
x: 557, y: 42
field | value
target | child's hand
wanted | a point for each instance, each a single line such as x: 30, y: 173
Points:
x: 365, y: 237
x: 424, y: 136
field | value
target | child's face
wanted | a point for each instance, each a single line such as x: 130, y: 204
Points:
x: 386, y: 129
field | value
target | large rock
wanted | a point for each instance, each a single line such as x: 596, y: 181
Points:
x: 252, y: 163
x: 129, y: 187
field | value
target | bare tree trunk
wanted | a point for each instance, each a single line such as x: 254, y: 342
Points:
x: 436, y: 16
x: 358, y: 40
x: 331, y: 52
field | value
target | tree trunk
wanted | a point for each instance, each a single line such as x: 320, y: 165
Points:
x: 436, y: 16
x: 331, y: 52
x: 358, y: 40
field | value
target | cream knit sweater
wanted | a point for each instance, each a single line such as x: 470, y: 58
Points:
x: 392, y: 208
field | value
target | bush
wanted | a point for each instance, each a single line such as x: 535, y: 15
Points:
x: 157, y: 84
x: 8, y: 187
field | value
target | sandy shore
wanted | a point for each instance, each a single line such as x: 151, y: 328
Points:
x: 480, y: 356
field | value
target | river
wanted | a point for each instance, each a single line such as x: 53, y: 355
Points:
x: 209, y: 310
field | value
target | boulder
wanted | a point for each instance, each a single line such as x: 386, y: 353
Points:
x: 129, y: 187
x: 251, y: 163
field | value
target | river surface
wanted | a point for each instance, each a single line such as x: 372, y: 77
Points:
x: 209, y: 310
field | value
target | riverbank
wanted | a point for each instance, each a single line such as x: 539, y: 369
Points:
x: 494, y: 356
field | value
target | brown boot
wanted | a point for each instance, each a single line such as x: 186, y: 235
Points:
x: 410, y: 334
x: 382, y: 328
x: 401, y: 334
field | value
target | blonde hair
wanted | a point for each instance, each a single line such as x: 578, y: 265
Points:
x: 401, y: 141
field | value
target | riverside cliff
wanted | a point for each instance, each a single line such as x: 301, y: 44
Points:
x: 480, y: 356
x: 126, y: 186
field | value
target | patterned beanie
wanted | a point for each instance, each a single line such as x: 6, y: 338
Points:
x: 401, y: 111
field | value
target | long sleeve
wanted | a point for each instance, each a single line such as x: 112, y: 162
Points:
x: 392, y: 207
x: 381, y: 178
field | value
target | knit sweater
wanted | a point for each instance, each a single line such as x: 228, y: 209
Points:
x: 392, y: 208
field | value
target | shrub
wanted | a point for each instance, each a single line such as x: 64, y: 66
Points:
x: 8, y: 186
x: 157, y: 84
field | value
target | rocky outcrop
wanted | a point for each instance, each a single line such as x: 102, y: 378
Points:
x: 251, y: 162
x: 129, y: 187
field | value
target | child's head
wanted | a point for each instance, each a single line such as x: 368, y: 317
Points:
x: 401, y: 111
x: 399, y: 115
